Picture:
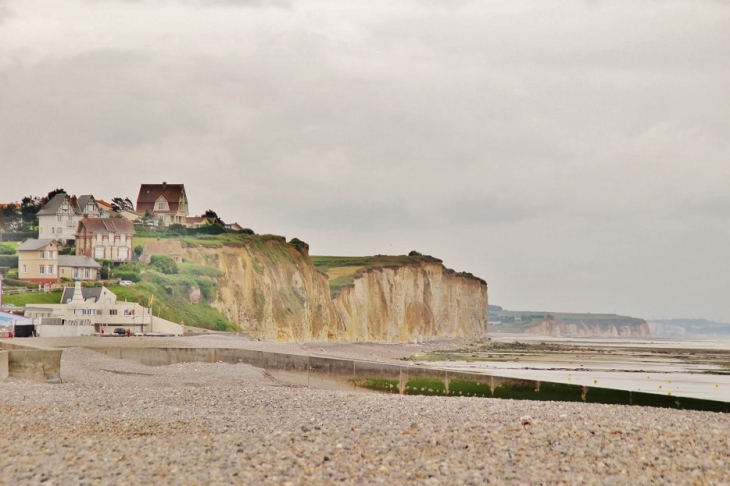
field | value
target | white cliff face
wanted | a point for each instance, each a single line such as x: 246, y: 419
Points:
x: 274, y: 292
x: 413, y: 301
x: 551, y: 327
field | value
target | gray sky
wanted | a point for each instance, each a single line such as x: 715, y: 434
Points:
x: 575, y: 154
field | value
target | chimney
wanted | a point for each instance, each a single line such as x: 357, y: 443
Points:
x: 164, y: 184
x: 74, y: 202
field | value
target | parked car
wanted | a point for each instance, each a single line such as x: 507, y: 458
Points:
x: 121, y: 331
x: 125, y: 283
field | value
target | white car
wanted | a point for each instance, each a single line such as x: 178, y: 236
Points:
x: 125, y: 283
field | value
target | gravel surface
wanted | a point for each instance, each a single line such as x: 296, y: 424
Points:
x: 119, y: 422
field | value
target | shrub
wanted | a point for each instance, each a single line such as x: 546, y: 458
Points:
x: 138, y: 250
x: 9, y: 261
x: 164, y: 264
x: 127, y: 275
x: 6, y: 249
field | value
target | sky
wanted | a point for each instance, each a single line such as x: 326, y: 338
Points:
x: 574, y: 154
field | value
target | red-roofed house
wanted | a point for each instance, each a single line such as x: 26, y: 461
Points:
x: 166, y: 201
x: 107, y: 238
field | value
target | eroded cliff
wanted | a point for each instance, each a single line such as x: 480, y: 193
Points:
x: 272, y: 290
x: 556, y: 328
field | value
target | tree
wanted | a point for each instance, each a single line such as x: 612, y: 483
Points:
x: 29, y: 206
x: 164, y: 264
x: 10, y: 218
x: 54, y: 192
x: 119, y: 204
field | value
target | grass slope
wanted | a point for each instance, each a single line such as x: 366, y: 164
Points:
x: 342, y: 271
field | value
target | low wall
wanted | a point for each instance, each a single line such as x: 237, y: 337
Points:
x: 334, y: 373
x: 35, y: 364
x: 4, y: 371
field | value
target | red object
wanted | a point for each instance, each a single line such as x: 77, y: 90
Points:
x: 129, y: 333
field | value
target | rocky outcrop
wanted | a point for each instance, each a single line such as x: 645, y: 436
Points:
x: 271, y: 290
x: 583, y: 328
x: 413, y: 301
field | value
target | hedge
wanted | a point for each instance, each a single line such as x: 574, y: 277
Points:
x: 9, y: 261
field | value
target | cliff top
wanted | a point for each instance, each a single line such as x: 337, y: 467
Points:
x: 342, y: 271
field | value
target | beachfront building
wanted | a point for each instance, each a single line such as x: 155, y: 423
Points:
x: 88, y: 310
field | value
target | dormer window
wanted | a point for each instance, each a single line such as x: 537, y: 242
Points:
x: 161, y: 205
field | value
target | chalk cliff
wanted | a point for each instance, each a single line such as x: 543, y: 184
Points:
x: 413, y: 301
x: 272, y: 290
x: 552, y: 327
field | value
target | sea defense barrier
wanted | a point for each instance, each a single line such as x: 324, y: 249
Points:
x: 346, y: 374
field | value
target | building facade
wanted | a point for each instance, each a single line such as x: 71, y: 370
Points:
x: 59, y: 217
x: 38, y: 261
x: 166, y: 202
x: 105, y: 238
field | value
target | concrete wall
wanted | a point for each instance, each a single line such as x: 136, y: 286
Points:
x: 35, y: 364
x: 334, y: 373
x: 4, y: 370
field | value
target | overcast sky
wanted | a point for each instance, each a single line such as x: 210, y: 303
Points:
x: 574, y: 154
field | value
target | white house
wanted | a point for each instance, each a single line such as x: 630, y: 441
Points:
x: 87, y: 310
x: 59, y: 217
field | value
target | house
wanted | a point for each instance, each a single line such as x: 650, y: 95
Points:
x: 196, y: 221
x: 105, y: 238
x: 75, y: 266
x: 107, y: 210
x: 84, y: 311
x: 172, y: 248
x: 167, y: 202
x: 59, y: 217
x: 38, y: 261
x: 234, y: 226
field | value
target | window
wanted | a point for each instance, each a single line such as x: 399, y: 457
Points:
x: 59, y: 217
x: 50, y: 269
x: 50, y: 255
x: 25, y: 268
x: 112, y: 312
x: 41, y: 254
x: 161, y: 205
x: 87, y: 273
x: 123, y: 239
x: 76, y: 272
x: 98, y: 238
x: 42, y: 269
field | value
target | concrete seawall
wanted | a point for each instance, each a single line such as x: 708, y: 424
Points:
x: 4, y: 371
x: 334, y: 373
x: 30, y: 363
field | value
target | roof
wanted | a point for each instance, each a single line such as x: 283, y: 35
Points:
x: 34, y: 244
x: 86, y: 292
x: 82, y: 201
x: 78, y: 261
x: 53, y: 204
x: 149, y: 193
x: 195, y: 219
x: 107, y: 225
x: 160, y: 247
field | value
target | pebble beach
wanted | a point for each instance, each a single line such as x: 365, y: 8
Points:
x: 119, y: 422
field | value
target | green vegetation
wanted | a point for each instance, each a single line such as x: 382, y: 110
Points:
x: 21, y: 300
x: 164, y: 264
x: 8, y: 248
x: 343, y: 271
